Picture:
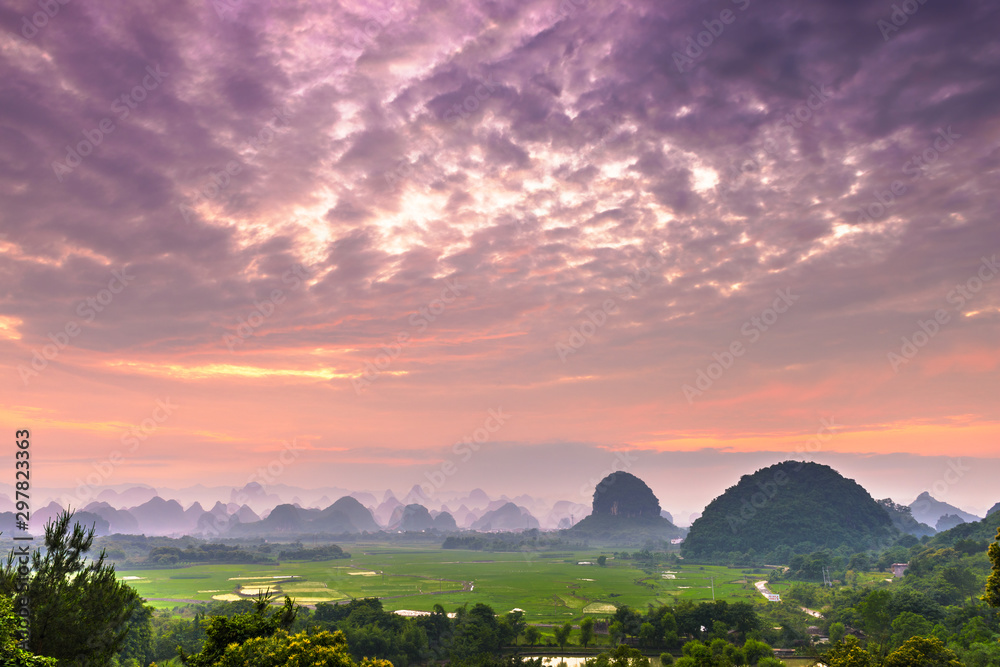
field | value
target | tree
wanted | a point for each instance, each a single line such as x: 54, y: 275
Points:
x: 743, y: 616
x: 138, y: 643
x: 836, y: 632
x: 877, y: 617
x: 602, y: 560
x: 586, y: 631
x: 982, y: 654
x: 647, y: 635
x: 619, y: 656
x: 732, y: 654
x: 221, y: 632
x: 754, y: 651
x: 478, y: 634
x: 992, y: 594
x: 10, y: 654
x: 630, y: 619
x: 562, y: 635
x: 803, y: 593
x: 697, y: 653
x: 513, y: 625
x: 849, y: 654
x: 323, y: 649
x: 922, y: 652
x: 616, y: 633
x: 908, y: 625
x: 532, y: 635
x: 962, y: 579
x: 79, y: 610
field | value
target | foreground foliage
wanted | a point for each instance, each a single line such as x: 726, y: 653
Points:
x: 915, y: 652
x: 10, y: 652
x: 79, y: 611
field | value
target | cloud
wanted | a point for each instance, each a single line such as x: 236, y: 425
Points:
x: 537, y: 155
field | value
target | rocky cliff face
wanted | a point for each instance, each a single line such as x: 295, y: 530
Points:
x: 622, y: 494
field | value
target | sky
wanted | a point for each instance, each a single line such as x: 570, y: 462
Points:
x: 508, y: 245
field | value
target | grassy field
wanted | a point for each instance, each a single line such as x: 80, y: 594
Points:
x: 549, y: 587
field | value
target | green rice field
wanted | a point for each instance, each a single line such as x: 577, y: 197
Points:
x: 549, y: 587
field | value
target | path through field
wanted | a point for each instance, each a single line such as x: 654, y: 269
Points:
x: 765, y: 591
x: 762, y: 587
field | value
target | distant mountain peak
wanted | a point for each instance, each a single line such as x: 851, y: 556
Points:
x: 412, y: 517
x: 929, y: 510
x: 506, y: 517
x: 478, y: 498
x: 416, y: 496
x: 624, y: 494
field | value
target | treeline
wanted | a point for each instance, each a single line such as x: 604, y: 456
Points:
x: 141, y: 551
x: 529, y: 540
x: 204, y: 553
x: 475, y: 635
x: 668, y: 626
x: 231, y: 554
x: 949, y: 566
x: 873, y: 622
x: 649, y: 557
x: 325, y: 552
x: 978, y: 531
x: 471, y: 635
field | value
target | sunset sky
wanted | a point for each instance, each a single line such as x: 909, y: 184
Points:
x: 696, y: 232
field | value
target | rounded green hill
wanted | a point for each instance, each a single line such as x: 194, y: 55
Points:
x: 625, y: 511
x: 793, y: 506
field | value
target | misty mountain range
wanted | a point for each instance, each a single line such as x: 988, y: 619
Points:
x: 260, y: 511
x: 255, y: 511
